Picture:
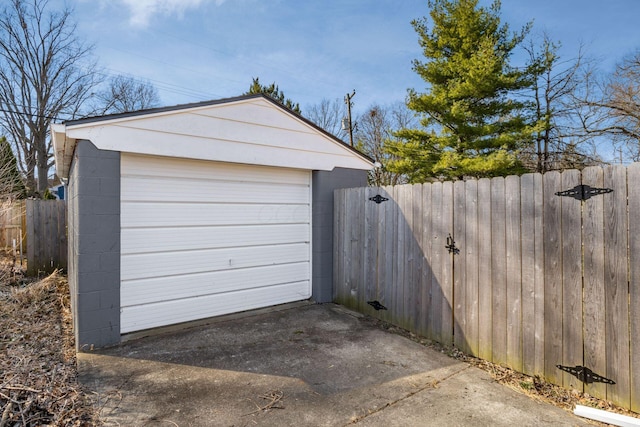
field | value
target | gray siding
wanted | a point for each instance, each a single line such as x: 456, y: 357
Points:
x: 94, y: 245
x: 323, y: 184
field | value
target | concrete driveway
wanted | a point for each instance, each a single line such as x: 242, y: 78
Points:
x: 306, y: 365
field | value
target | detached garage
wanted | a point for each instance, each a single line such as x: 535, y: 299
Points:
x: 184, y: 213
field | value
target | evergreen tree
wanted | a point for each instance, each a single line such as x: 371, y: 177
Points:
x: 273, y: 92
x: 11, y: 182
x: 472, y: 121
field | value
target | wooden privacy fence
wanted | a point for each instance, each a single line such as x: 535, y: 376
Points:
x: 506, y: 269
x: 46, y: 236
x: 40, y: 225
x: 14, y: 227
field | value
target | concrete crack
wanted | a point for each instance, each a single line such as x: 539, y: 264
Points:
x: 431, y: 385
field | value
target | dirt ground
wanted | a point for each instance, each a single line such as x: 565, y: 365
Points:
x: 38, y: 375
x: 38, y: 372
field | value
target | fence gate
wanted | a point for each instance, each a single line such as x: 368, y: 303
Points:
x: 46, y: 236
x: 540, y: 273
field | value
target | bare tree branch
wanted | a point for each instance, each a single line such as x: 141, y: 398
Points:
x: 45, y: 73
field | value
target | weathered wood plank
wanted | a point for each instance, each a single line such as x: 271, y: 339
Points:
x: 594, y: 284
x: 409, y: 259
x: 390, y: 212
x: 572, y: 343
x: 498, y: 270
x: 485, y: 296
x: 459, y: 268
x: 447, y: 265
x: 418, y: 256
x: 358, y: 246
x: 514, y: 272
x: 438, y: 252
x: 370, y: 267
x: 31, y: 231
x: 553, y: 277
x: 527, y: 203
x: 471, y: 265
x: 633, y: 178
x: 616, y: 285
x: 399, y: 254
x: 381, y: 243
x: 427, y: 273
x: 538, y: 231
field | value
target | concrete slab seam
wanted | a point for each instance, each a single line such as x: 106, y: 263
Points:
x: 431, y: 385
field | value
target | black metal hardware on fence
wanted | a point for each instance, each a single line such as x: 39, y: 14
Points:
x: 376, y: 304
x: 583, y: 192
x: 585, y: 374
x: 451, y: 245
x: 378, y: 199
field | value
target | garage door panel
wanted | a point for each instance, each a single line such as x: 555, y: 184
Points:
x: 169, y: 214
x: 176, y: 311
x: 134, y: 165
x: 175, y: 263
x: 210, y: 238
x: 188, y: 190
x: 191, y: 286
x: 154, y: 240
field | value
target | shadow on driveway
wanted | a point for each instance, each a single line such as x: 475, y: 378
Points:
x: 331, y: 366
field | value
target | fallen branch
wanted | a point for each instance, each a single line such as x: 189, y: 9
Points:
x: 275, y: 397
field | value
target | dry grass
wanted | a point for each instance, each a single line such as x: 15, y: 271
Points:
x: 38, y: 376
x: 534, y: 387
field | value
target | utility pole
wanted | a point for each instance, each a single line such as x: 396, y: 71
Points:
x: 347, y: 100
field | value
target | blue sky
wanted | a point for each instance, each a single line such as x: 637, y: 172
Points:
x: 194, y: 50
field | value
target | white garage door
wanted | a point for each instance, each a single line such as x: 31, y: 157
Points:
x: 200, y: 239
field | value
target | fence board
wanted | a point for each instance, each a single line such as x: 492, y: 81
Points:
x: 437, y: 261
x: 498, y: 271
x: 418, y: 254
x: 593, y: 264
x: 633, y: 178
x: 471, y: 265
x: 553, y: 277
x: 459, y: 268
x: 447, y: 266
x: 514, y: 272
x: 485, y: 297
x: 616, y: 285
x: 527, y: 203
x: 538, y: 232
x: 390, y: 208
x: 427, y: 273
x: 370, y: 220
x: 572, y: 280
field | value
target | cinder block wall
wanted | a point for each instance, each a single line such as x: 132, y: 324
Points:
x: 323, y: 184
x: 94, y: 245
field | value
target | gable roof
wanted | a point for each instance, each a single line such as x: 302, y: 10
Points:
x: 250, y: 129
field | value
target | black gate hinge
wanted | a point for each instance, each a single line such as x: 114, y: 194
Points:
x: 583, y: 192
x: 585, y: 374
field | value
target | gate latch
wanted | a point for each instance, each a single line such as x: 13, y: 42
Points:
x: 451, y: 245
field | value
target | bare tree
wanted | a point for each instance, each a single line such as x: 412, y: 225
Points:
x: 558, y: 143
x: 125, y: 94
x: 376, y: 128
x: 45, y: 73
x: 611, y: 107
x: 329, y: 116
